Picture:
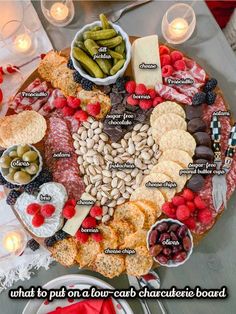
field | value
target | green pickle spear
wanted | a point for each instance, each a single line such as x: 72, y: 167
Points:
x: 104, y: 21
x: 117, y: 67
x: 100, y: 35
x: 110, y: 43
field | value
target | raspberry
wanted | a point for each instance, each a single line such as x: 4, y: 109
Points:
x: 60, y: 102
x: 68, y: 111
x: 68, y: 211
x: 131, y: 101
x: 165, y: 60
x: 95, y: 211
x: 182, y: 212
x: 178, y: 200
x: 188, y: 194
x: 140, y: 89
x: 176, y: 55
x: 73, y: 102
x: 130, y: 87
x: 157, y: 101
x: 169, y: 210
x: 47, y: 210
x: 81, y: 115
x: 71, y: 202
x: 97, y: 237
x: 89, y: 222
x: 82, y: 237
x: 1, y: 78
x: 152, y: 93
x: 205, y: 216
x: 145, y: 104
x: 190, y: 223
x: 167, y: 70
x: 191, y: 206
x: 94, y: 109
x: 37, y: 220
x: 164, y: 50
x: 33, y: 208
x: 180, y: 65
x: 200, y: 204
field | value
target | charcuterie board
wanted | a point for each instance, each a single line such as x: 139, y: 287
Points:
x: 119, y: 191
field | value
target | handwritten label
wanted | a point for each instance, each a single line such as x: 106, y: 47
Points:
x: 20, y: 163
x: 166, y: 184
x: 85, y: 202
x: 125, y: 165
x: 61, y: 155
x: 34, y: 94
x: 119, y: 251
x: 45, y: 198
x: 178, y: 81
x: 148, y: 66
x: 120, y: 119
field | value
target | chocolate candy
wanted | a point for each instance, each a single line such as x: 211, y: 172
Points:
x: 202, y: 138
x: 204, y: 152
x: 196, y: 125
x: 193, y: 112
x: 195, y: 183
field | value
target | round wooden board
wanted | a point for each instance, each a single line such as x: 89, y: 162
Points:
x: 66, y: 52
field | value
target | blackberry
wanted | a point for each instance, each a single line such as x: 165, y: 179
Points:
x: 210, y: 98
x: 2, y: 180
x: 210, y: 85
x: 70, y: 64
x: 50, y: 241
x: 32, y: 187
x: 86, y: 84
x: 77, y: 77
x: 12, y: 197
x: 11, y: 186
x: 199, y: 98
x: 61, y: 235
x: 33, y: 245
x: 120, y: 83
x: 44, y: 176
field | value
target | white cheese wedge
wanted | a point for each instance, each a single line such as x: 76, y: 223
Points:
x: 146, y: 64
x: 82, y: 209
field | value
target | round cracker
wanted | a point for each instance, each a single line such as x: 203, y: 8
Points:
x: 153, y: 195
x: 123, y: 229
x: 166, y: 107
x: 177, y: 155
x: 178, y: 139
x: 87, y: 252
x: 165, y: 123
x: 140, y: 263
x: 171, y: 169
x: 109, y: 265
x: 110, y: 239
x: 149, y: 211
x: 64, y: 251
x: 131, y: 213
x: 135, y: 239
x: 160, y: 177
x: 27, y: 127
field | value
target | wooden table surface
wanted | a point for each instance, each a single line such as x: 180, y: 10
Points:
x: 213, y: 263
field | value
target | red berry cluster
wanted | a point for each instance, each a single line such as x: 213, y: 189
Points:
x: 69, y: 209
x: 71, y: 106
x: 171, y: 61
x: 152, y: 99
x: 88, y: 223
x: 189, y: 208
x: 39, y: 213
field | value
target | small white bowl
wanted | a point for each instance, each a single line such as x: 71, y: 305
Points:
x: 171, y: 263
x: 4, y: 171
x: 110, y: 79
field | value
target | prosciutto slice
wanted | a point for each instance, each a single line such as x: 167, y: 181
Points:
x: 169, y: 93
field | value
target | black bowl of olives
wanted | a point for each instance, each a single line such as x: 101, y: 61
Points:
x: 21, y: 164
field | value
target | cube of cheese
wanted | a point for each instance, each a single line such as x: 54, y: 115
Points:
x: 82, y: 209
x: 146, y: 64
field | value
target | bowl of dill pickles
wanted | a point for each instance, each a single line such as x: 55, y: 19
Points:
x: 101, y: 51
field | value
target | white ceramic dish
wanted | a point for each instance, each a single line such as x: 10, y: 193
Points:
x: 170, y: 263
x: 33, y: 306
x: 4, y: 171
x: 110, y: 79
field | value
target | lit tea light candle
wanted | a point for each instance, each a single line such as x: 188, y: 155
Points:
x: 59, y: 11
x: 22, y: 43
x: 12, y: 241
x: 178, y: 27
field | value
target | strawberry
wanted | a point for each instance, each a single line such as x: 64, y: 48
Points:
x: 97, y: 237
x: 93, y: 109
x: 33, y: 208
x: 145, y: 104
x: 164, y: 50
x: 176, y: 55
x: 68, y: 111
x: 38, y: 220
x: 60, y: 102
x: 131, y: 101
x: 68, y: 211
x: 89, y: 222
x: 188, y: 194
x: 165, y: 60
x: 205, y: 216
x: 178, y: 200
x: 182, y: 212
x: 140, y: 89
x: 200, y: 204
x: 152, y: 93
x: 167, y: 70
x: 73, y: 102
x: 179, y: 65
x: 95, y: 211
x: 82, y: 237
x: 130, y: 87
x: 81, y: 115
x: 157, y: 100
x: 47, y: 210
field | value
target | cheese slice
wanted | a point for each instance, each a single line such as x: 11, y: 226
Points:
x: 82, y: 209
x: 146, y: 64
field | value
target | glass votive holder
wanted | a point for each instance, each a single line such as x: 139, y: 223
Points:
x: 18, y: 38
x: 13, y: 240
x: 178, y: 23
x: 58, y: 12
